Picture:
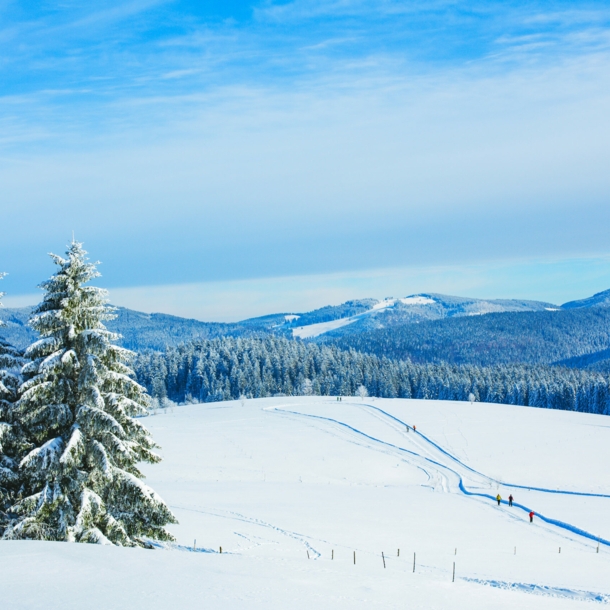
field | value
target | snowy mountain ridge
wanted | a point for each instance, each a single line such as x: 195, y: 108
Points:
x: 416, y: 308
x: 354, y: 318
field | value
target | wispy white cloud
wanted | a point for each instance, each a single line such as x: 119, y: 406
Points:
x: 382, y: 129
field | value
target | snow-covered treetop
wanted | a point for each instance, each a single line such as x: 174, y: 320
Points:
x: 69, y: 307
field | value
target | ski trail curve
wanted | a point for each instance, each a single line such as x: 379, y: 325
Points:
x: 555, y: 522
x: 458, y: 461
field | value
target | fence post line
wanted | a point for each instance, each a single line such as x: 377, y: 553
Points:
x: 332, y: 554
x: 383, y: 559
x: 221, y: 549
x: 453, y: 577
x: 195, y: 544
x: 413, y: 563
x: 398, y: 555
x: 354, y: 557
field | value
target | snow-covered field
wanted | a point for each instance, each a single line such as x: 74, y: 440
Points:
x: 290, y: 488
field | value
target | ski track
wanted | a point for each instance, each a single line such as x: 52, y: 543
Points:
x: 457, y: 460
x: 560, y: 524
x: 259, y: 522
x: 574, y: 594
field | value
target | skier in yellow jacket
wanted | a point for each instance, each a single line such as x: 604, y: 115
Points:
x: 499, y: 499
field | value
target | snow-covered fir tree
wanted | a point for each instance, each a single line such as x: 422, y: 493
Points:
x: 11, y: 440
x: 77, y: 405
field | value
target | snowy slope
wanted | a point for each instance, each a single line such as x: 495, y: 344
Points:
x: 315, y: 330
x: 154, y: 331
x: 276, y: 480
x: 417, y: 308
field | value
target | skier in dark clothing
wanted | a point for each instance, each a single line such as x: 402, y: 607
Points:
x: 510, y: 500
x: 532, y: 513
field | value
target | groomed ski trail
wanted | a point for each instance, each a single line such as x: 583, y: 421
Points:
x: 438, y: 465
x: 491, y: 479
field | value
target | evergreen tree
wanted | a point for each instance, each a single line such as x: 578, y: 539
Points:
x: 225, y: 368
x: 77, y: 406
x: 11, y: 440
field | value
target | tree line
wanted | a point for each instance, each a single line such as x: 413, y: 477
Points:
x: 227, y: 368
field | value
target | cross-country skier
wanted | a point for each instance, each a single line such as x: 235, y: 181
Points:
x: 510, y: 500
x: 532, y: 513
x: 499, y: 499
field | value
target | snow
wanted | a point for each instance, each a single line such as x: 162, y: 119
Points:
x: 417, y: 300
x: 385, y: 304
x: 277, y: 479
x: 314, y: 330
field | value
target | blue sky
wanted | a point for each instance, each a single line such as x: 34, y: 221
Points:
x: 240, y: 154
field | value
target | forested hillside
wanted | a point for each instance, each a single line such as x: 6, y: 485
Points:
x: 540, y: 337
x: 138, y: 330
x: 227, y: 368
x: 578, y: 336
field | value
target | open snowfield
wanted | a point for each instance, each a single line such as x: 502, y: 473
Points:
x: 283, y: 485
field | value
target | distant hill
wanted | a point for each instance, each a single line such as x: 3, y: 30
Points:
x: 392, y: 312
x: 536, y: 337
x: 15, y: 328
x: 139, y: 330
x: 426, y: 327
x: 601, y: 299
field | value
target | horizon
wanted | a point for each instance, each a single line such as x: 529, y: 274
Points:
x: 226, y: 299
